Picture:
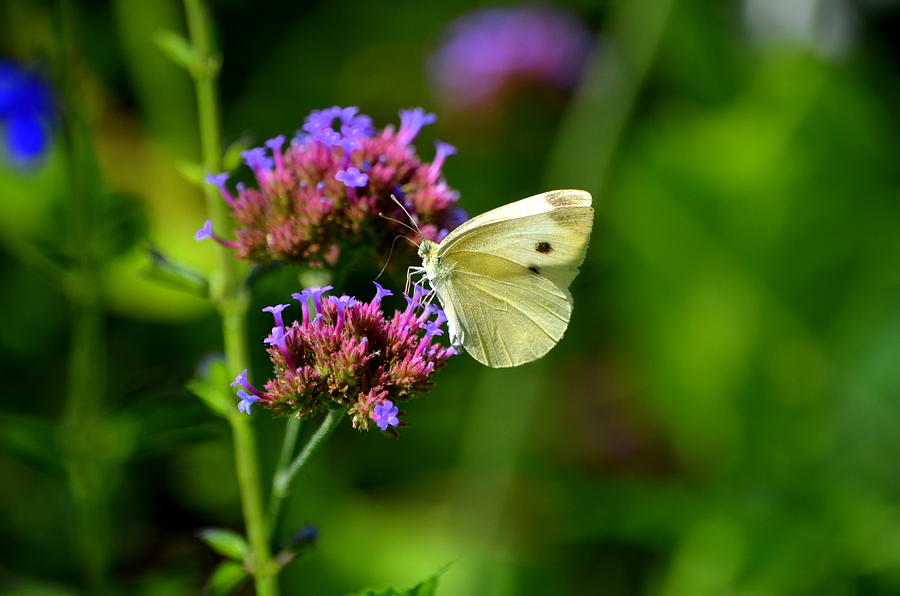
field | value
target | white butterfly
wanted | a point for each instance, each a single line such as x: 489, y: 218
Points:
x: 502, y: 277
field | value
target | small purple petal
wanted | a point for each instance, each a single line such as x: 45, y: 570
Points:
x: 352, y: 177
x: 411, y: 122
x: 386, y: 414
x: 319, y: 120
x: 205, y: 231
x: 241, y: 379
x: 350, y: 144
x: 217, y: 180
x: 247, y: 400
x: 276, y: 312
x: 431, y: 329
x: 420, y: 292
x: 441, y: 317
x: 257, y: 160
x: 316, y: 293
x: 303, y: 299
x: 275, y: 143
x: 342, y: 303
x: 443, y: 151
x: 277, y: 336
x: 380, y: 293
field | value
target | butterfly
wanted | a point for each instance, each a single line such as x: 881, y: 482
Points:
x: 502, y: 277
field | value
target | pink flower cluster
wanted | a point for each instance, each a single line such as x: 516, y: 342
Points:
x: 326, y: 189
x: 347, y: 354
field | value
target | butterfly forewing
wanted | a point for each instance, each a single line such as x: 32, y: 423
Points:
x: 547, y: 234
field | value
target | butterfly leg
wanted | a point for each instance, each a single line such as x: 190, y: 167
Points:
x: 410, y: 272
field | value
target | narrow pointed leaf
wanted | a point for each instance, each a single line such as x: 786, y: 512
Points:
x: 225, y: 542
x: 175, y: 47
x: 226, y: 579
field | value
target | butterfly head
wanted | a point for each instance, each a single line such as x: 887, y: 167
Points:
x: 426, y: 249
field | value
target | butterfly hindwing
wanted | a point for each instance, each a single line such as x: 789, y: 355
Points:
x: 511, y: 315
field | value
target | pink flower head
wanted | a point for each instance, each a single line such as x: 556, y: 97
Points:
x: 326, y: 189
x: 352, y: 355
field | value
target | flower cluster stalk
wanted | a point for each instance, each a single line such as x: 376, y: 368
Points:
x: 230, y: 298
x: 288, y: 468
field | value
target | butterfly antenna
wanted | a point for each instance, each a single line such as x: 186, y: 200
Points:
x: 411, y: 218
x: 407, y: 226
x: 391, y: 252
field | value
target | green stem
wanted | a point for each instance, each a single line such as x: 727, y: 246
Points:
x: 284, y: 476
x: 230, y: 297
x: 291, y: 432
x: 88, y: 470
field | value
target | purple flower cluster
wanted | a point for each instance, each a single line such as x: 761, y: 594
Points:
x: 343, y: 353
x: 326, y: 188
x: 26, y: 111
x: 487, y: 51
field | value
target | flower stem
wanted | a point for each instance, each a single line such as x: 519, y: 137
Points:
x: 285, y: 474
x: 230, y: 297
x: 291, y: 432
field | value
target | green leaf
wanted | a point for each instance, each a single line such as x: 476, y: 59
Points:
x: 165, y: 271
x: 225, y: 542
x: 35, y: 588
x: 123, y: 223
x: 212, y: 387
x: 193, y: 172
x: 426, y: 587
x: 227, y: 578
x: 175, y: 47
x: 232, y: 158
x: 31, y: 438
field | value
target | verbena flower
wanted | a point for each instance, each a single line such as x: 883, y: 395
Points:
x: 26, y: 112
x: 325, y: 189
x: 343, y: 353
x: 488, y: 51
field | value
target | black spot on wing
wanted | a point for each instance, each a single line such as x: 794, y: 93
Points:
x: 543, y: 247
x: 534, y: 269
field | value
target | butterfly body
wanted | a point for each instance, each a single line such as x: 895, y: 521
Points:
x: 502, y: 277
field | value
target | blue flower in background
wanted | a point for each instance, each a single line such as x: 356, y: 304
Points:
x: 26, y: 110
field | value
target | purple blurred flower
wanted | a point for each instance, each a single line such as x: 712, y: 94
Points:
x: 26, y: 112
x: 487, y: 50
x: 353, y: 356
x: 325, y: 189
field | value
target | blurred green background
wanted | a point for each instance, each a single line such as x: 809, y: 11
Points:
x: 723, y: 416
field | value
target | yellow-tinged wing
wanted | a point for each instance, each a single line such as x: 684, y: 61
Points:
x: 502, y: 313
x: 546, y: 234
